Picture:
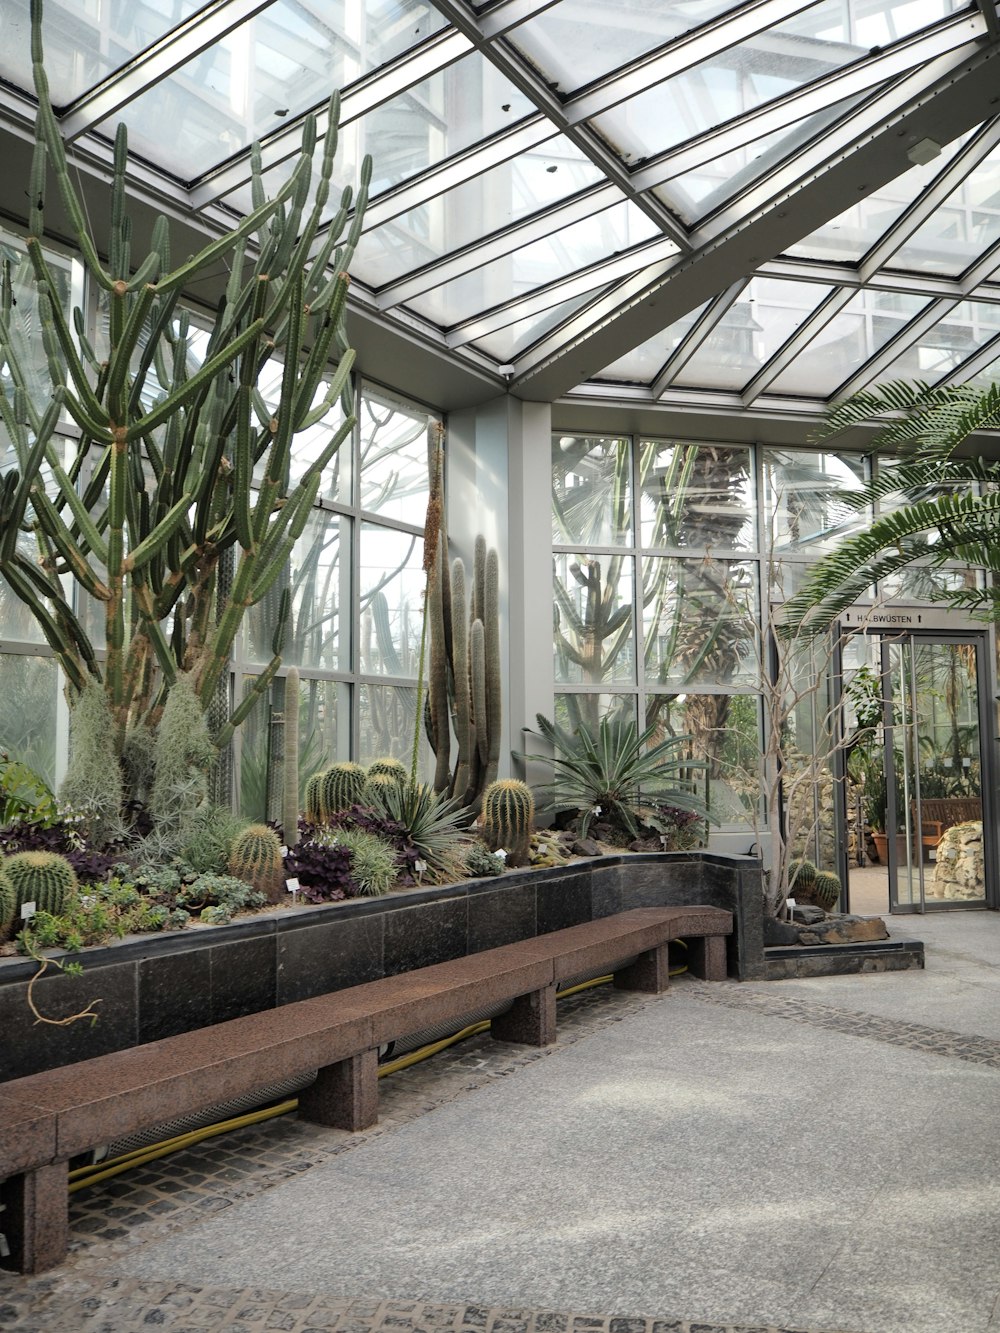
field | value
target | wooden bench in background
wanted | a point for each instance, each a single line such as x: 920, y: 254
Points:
x: 940, y: 813
x: 51, y: 1117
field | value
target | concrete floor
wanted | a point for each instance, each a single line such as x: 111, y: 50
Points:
x: 814, y: 1154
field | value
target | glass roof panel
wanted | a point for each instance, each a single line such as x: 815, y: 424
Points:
x: 644, y: 363
x: 279, y: 63
x: 418, y: 129
x: 957, y: 232
x: 732, y: 82
x: 761, y: 320
x: 575, y: 42
x: 614, y: 229
x: 483, y: 205
x: 507, y: 343
x: 959, y: 333
x: 841, y: 347
x: 84, y: 43
x: 851, y: 234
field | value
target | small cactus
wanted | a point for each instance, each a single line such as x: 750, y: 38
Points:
x: 256, y: 859
x: 314, y: 812
x: 826, y: 890
x: 343, y: 786
x: 43, y: 878
x: 801, y: 878
x: 394, y: 769
x: 7, y: 902
x: 507, y: 818
x: 376, y: 786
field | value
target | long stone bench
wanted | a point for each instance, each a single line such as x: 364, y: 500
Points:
x: 51, y: 1117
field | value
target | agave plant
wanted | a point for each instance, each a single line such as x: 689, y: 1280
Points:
x: 611, y: 770
x: 953, y: 509
x: 434, y: 824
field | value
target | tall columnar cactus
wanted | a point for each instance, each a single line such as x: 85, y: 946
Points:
x: 463, y: 686
x: 170, y: 428
x: 507, y: 819
x: 290, y: 773
x: 8, y: 902
x: 343, y: 786
x: 256, y: 859
x: 315, y: 812
x: 43, y: 878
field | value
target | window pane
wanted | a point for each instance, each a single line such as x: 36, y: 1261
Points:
x: 574, y: 711
x: 699, y: 619
x: 29, y: 703
x: 724, y: 732
x: 386, y: 716
x: 591, y: 490
x: 805, y: 494
x: 323, y: 703
x: 643, y: 363
x: 392, y: 584
x: 594, y: 635
x: 393, y: 459
x: 696, y: 495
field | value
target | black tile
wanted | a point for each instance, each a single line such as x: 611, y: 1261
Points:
x: 425, y: 934
x: 564, y: 901
x: 243, y: 974
x: 502, y: 915
x: 28, y: 1047
x: 333, y: 953
x: 175, y: 994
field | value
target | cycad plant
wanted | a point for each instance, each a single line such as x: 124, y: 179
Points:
x: 155, y: 519
x: 611, y: 770
x: 951, y: 509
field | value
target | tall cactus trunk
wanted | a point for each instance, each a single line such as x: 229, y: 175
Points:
x: 290, y: 775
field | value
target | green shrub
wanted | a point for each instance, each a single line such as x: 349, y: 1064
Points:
x: 480, y: 862
x: 373, y: 861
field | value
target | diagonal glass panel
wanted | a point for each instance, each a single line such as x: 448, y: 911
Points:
x: 733, y: 82
x: 577, y: 41
x: 851, y: 234
x: 644, y: 363
x: 575, y: 247
x: 510, y: 342
x: 84, y: 43
x: 864, y: 326
x: 761, y: 320
x: 277, y: 64
x: 960, y: 333
x: 485, y: 204
x: 958, y: 232
x: 455, y: 108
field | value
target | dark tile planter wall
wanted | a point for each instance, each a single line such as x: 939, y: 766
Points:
x: 153, y: 986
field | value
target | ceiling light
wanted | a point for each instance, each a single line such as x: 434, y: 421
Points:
x: 923, y: 152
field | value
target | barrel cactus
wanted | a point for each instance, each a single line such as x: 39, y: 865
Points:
x: 801, y: 878
x: 7, y: 903
x: 507, y: 818
x: 394, y: 769
x: 826, y: 890
x: 343, y: 786
x: 377, y: 785
x: 43, y: 878
x: 256, y: 859
x: 314, y: 811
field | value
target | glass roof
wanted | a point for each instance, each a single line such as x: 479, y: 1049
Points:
x: 770, y: 200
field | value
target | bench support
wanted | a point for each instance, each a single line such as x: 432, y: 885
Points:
x: 707, y: 957
x: 35, y: 1219
x: 649, y: 973
x: 531, y: 1020
x: 345, y: 1094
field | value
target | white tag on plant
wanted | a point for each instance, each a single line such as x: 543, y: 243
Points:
x: 28, y: 910
x: 292, y: 885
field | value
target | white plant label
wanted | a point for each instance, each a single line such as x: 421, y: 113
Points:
x: 292, y: 885
x: 28, y: 910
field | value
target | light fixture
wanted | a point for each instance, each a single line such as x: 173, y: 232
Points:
x: 926, y: 150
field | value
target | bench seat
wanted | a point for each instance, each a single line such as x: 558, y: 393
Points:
x: 55, y: 1115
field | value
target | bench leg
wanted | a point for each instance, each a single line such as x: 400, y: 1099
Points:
x: 649, y: 973
x: 531, y: 1020
x: 35, y: 1220
x: 345, y: 1094
x: 707, y: 957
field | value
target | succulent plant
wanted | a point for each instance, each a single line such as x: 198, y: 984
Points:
x: 314, y: 811
x: 507, y: 817
x: 480, y: 862
x: 801, y: 877
x: 43, y: 878
x: 290, y: 767
x: 826, y: 890
x: 7, y: 902
x: 343, y: 786
x: 388, y: 767
x: 256, y: 859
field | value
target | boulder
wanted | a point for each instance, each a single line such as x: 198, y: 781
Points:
x: 958, y: 869
x: 844, y: 930
x: 779, y: 932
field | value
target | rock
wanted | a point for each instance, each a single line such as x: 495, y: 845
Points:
x: 844, y: 930
x: 585, y: 847
x: 958, y: 870
x: 807, y: 914
x: 779, y: 932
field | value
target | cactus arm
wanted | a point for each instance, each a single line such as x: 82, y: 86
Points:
x: 68, y: 660
x: 158, y: 536
x: 290, y: 774
x: 462, y: 710
x: 121, y: 360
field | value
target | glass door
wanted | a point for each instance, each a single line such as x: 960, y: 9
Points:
x: 934, y: 724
